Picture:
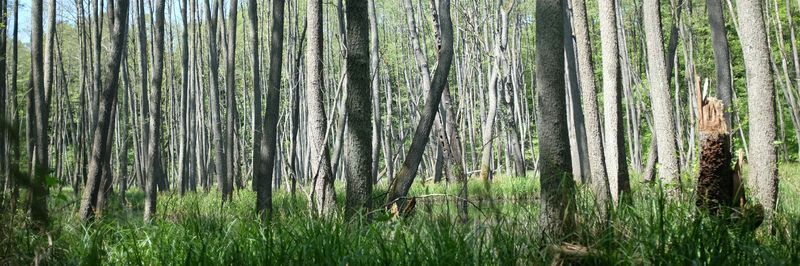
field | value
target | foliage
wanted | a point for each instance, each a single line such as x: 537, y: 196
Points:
x: 503, y: 230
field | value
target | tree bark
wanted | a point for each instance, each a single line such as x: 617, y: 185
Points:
x: 405, y: 176
x: 358, y: 145
x: 230, y: 87
x: 154, y: 170
x: 269, y: 138
x: 100, y: 154
x: 664, y: 124
x: 374, y: 54
x: 39, y: 118
x: 324, y: 196
x: 554, y: 155
x: 617, y: 162
x: 213, y: 65
x: 760, y: 104
x: 594, y: 140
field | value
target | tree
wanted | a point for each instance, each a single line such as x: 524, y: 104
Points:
x: 374, y: 78
x: 154, y: 145
x: 213, y: 62
x: 405, y: 177
x: 664, y: 120
x: 760, y: 100
x: 554, y: 155
x: 183, y: 160
x: 358, y: 145
x: 230, y: 87
x: 594, y: 141
x: 722, y: 61
x: 617, y: 163
x: 268, y: 151
x: 5, y: 129
x: 321, y: 174
x: 39, y: 117
x: 108, y: 95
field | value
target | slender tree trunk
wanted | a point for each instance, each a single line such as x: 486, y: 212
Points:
x: 154, y: 170
x: 216, y: 120
x: 324, y: 198
x: 268, y: 140
x: 594, y: 139
x: 107, y: 97
x: 405, y: 177
x: 230, y: 86
x: 721, y: 57
x: 760, y: 104
x: 39, y: 116
x: 5, y: 128
x: 664, y: 124
x: 580, y: 151
x: 617, y: 162
x: 374, y: 54
x: 183, y: 157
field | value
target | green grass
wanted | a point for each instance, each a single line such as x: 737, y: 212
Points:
x: 195, y: 230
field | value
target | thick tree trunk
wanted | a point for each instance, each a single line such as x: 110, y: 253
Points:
x: 760, y: 104
x: 358, y: 143
x: 555, y: 169
x: 664, y: 124
x: 99, y: 153
x: 324, y: 196
x: 594, y: 139
x: 715, y: 184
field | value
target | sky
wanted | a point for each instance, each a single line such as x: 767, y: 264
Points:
x: 65, y: 12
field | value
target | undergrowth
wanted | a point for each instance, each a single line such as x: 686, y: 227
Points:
x: 198, y: 230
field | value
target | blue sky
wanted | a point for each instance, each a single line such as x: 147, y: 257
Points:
x: 65, y: 11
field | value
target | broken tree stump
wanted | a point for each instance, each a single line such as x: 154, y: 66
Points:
x: 715, y: 184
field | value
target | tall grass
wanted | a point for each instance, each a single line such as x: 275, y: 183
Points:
x: 196, y: 230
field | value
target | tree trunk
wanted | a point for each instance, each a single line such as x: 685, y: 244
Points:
x: 106, y: 101
x: 664, y: 124
x: 324, y: 196
x: 39, y: 117
x: 213, y: 62
x: 721, y: 57
x: 617, y: 162
x: 555, y: 166
x: 375, y: 80
x: 269, y: 138
x: 358, y: 142
x: 230, y: 87
x: 715, y: 186
x: 154, y: 170
x: 760, y: 104
x: 594, y: 140
x: 405, y: 177
x: 183, y: 146
x: 580, y: 151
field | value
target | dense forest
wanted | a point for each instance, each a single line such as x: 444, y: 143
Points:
x: 431, y: 132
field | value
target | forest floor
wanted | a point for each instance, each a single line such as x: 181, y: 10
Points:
x: 195, y: 230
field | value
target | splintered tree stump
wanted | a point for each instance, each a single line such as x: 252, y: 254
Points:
x: 715, y: 184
